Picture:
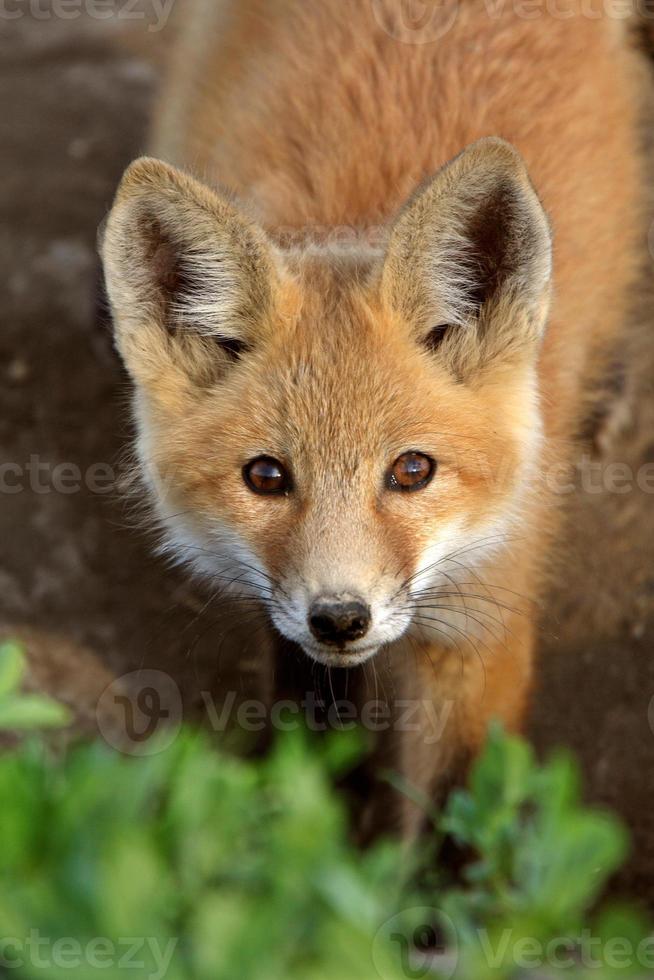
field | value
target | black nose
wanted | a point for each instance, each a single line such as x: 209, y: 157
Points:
x: 337, y: 621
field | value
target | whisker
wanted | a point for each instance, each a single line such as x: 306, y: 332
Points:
x: 244, y: 565
x: 493, y: 585
x: 332, y: 693
x: 429, y: 659
x: 417, y: 598
x: 426, y: 620
x: 485, y: 541
x: 465, y: 612
x: 253, y: 614
x: 482, y: 585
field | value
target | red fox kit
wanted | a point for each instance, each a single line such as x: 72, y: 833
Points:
x: 353, y: 384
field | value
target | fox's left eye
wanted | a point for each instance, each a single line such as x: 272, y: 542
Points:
x: 411, y: 471
x: 266, y: 475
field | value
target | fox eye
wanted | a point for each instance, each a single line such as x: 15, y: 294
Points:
x: 266, y: 475
x: 411, y: 471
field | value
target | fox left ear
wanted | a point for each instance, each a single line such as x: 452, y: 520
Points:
x: 469, y: 259
x: 190, y: 278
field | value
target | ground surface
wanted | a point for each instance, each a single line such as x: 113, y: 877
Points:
x: 79, y: 585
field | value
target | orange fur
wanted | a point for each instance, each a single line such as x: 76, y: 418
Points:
x: 317, y: 117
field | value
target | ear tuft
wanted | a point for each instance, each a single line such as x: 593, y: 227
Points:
x: 232, y: 347
x: 435, y: 337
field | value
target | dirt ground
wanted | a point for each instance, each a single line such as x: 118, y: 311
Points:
x: 79, y: 585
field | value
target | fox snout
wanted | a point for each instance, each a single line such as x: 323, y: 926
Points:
x: 339, y: 619
x: 337, y: 625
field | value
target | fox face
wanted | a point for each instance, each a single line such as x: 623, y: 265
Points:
x: 326, y: 430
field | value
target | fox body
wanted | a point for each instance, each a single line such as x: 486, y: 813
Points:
x: 353, y: 385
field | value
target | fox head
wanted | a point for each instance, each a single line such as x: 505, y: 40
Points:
x: 324, y: 429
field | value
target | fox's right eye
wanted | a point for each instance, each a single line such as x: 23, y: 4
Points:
x: 411, y: 471
x: 266, y: 475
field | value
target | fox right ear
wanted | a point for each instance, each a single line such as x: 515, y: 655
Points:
x: 189, y: 278
x: 469, y: 260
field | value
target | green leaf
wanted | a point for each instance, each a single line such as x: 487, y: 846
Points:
x: 12, y: 667
x: 32, y: 711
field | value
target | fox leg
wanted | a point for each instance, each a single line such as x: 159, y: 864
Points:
x: 491, y: 683
x: 443, y: 702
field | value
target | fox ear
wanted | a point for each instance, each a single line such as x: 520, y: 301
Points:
x: 189, y: 278
x: 469, y: 259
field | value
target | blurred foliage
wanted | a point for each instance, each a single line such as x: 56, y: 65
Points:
x: 19, y: 712
x: 191, y: 864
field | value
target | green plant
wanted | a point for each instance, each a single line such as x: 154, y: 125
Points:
x: 24, y: 711
x: 542, y: 859
x: 191, y: 864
